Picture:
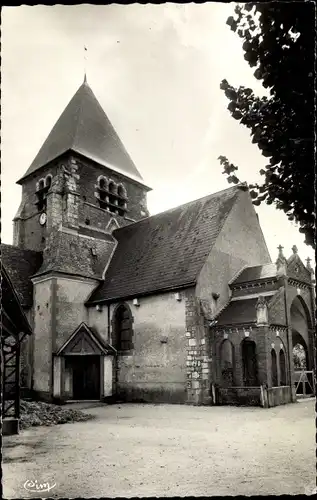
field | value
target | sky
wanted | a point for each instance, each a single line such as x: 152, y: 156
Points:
x: 156, y: 71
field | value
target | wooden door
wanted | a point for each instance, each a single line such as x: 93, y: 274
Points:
x: 86, y: 377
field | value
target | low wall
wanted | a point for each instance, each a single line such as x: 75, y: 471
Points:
x: 239, y: 396
x: 278, y: 396
x: 152, y: 393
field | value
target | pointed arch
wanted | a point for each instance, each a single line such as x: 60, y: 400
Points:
x: 122, y: 328
x: 302, y: 330
x: 249, y: 363
x: 227, y: 363
x: 282, y: 366
x: 48, y: 181
x: 274, y: 368
x: 122, y: 196
x: 41, y: 195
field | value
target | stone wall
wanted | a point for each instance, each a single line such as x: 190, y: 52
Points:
x: 278, y: 396
x: 71, y: 294
x: 71, y: 200
x: 155, y: 370
x: 236, y: 337
x: 28, y: 233
x: 89, y: 173
x: 239, y: 396
x: 198, y: 352
x: 230, y: 253
x: 44, y: 292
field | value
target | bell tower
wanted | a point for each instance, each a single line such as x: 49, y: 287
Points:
x: 81, y: 178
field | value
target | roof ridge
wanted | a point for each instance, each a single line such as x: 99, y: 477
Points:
x: 183, y: 205
x: 78, y: 115
x: 238, y: 273
x: 219, y: 229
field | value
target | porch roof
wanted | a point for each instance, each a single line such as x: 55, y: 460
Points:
x: 238, y: 312
x: 84, y: 340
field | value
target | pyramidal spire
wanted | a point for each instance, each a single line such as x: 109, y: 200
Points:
x: 84, y: 128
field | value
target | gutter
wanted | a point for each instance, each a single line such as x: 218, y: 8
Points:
x: 142, y: 294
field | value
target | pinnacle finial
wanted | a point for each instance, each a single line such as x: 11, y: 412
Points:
x: 85, y: 64
x: 280, y: 251
x: 308, y: 261
x: 294, y: 249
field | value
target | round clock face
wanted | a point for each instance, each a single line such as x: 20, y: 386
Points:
x: 42, y: 219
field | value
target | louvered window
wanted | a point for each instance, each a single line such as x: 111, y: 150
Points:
x: 111, y: 197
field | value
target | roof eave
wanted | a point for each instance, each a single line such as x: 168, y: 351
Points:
x: 64, y: 273
x: 41, y: 167
x: 80, y: 154
x: 253, y: 282
x: 236, y: 325
x: 90, y: 303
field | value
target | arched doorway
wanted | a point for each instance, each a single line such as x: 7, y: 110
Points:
x: 301, y: 334
x: 303, y: 347
x: 300, y: 354
x: 250, y: 363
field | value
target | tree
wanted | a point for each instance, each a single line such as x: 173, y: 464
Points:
x: 279, y: 41
x: 299, y: 357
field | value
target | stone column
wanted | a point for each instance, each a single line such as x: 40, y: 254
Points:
x: 57, y: 380
x: 107, y: 376
x: 198, y: 354
x: 263, y: 353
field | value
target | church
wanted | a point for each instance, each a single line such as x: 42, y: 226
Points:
x: 183, y: 307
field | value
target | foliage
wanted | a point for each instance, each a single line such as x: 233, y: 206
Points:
x: 299, y: 357
x: 279, y: 42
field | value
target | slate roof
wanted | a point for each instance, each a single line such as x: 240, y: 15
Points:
x: 84, y: 127
x: 20, y: 265
x: 256, y: 273
x: 13, y: 319
x: 71, y: 254
x: 238, y: 312
x: 167, y: 250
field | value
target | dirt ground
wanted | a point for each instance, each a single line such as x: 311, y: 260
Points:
x: 160, y: 450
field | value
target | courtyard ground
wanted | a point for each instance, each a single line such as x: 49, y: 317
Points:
x: 166, y: 450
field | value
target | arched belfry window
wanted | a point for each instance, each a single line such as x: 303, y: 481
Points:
x: 122, y: 197
x: 123, y: 328
x: 111, y: 197
x: 42, y: 188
